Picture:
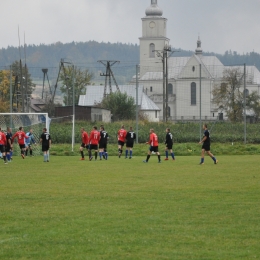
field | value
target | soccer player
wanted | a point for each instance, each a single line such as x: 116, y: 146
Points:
x: 121, y: 135
x: 130, y: 137
x: 154, y: 146
x: 20, y: 134
x: 93, y: 142
x: 29, y: 142
x: 169, y: 144
x: 8, y: 148
x: 206, y: 146
x: 84, y: 144
x: 45, y: 140
x: 3, y: 145
x: 103, y: 143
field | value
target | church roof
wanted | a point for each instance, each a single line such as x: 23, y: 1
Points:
x: 94, y: 95
x: 153, y: 9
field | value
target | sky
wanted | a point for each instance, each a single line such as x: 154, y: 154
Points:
x: 221, y: 24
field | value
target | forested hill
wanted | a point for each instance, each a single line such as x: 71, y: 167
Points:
x: 88, y: 53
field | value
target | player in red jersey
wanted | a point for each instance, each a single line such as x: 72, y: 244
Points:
x: 93, y: 142
x: 3, y: 144
x: 121, y: 135
x: 84, y: 144
x: 154, y: 146
x: 20, y: 137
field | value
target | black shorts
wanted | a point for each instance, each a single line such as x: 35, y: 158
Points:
x: 206, y: 147
x: 121, y: 143
x: 84, y: 146
x: 45, y: 148
x: 102, y: 145
x: 169, y: 146
x: 154, y: 149
x: 93, y: 147
x: 22, y: 146
x: 2, y: 148
x: 130, y: 144
x: 8, y: 149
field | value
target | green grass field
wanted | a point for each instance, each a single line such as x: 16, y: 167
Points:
x: 125, y: 209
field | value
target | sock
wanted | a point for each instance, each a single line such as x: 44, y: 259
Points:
x: 106, y: 155
x: 45, y: 157
x: 148, y: 157
x: 202, y: 160
x: 4, y: 156
x: 26, y: 152
x: 11, y: 154
x: 159, y: 158
x: 30, y: 152
x: 166, y: 154
x: 48, y: 156
x: 95, y: 155
x: 172, y: 154
x: 214, y: 159
x: 82, y: 154
x: 90, y: 154
x: 131, y: 153
x: 126, y: 153
x: 100, y: 155
x: 8, y: 157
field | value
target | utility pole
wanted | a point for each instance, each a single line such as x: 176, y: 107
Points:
x: 108, y: 64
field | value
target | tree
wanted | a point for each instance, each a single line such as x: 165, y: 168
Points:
x: 228, y: 96
x: 253, y: 104
x: 4, y: 91
x: 81, y: 80
x: 122, y: 106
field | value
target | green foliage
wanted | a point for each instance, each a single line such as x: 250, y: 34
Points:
x: 122, y: 106
x: 220, y: 132
x: 74, y: 76
x: 125, y: 209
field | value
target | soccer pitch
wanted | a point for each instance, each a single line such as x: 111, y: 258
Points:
x: 126, y: 209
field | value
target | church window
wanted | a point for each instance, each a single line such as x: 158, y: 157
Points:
x: 170, y: 89
x: 151, y: 89
x: 193, y: 93
x: 246, y: 92
x: 152, y: 48
x: 168, y: 112
x: 193, y: 68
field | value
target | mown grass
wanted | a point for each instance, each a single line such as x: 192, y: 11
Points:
x: 125, y: 209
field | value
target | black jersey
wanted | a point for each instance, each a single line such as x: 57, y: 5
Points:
x: 8, y: 137
x: 207, y: 141
x: 45, y: 138
x: 169, y: 139
x: 103, y: 137
x: 130, y: 136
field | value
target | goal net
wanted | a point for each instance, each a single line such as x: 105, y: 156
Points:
x: 34, y: 121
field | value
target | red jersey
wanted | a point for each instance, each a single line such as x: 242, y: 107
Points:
x: 84, y: 137
x: 121, y: 135
x: 20, y: 136
x: 2, y: 139
x: 153, y: 140
x: 94, y: 137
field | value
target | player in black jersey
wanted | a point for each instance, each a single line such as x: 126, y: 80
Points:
x: 45, y: 140
x: 206, y: 146
x: 169, y: 144
x: 103, y: 143
x: 130, y: 138
x: 9, y: 145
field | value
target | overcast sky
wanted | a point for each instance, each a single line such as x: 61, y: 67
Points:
x: 221, y: 24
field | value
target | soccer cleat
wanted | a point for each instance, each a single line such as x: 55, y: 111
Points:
x: 47, y: 160
x: 166, y: 159
x: 82, y: 159
x: 6, y: 162
x: 216, y: 162
x: 130, y: 157
x: 173, y: 159
x: 22, y: 156
x: 91, y: 158
x: 145, y: 161
x: 201, y: 163
x: 159, y: 161
x: 126, y: 157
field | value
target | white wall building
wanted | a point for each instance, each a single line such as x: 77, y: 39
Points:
x: 184, y: 73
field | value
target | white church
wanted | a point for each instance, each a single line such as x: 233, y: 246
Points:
x: 190, y: 79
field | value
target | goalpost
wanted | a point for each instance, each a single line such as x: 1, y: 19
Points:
x: 34, y: 121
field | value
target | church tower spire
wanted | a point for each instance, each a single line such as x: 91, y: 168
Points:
x: 198, y: 51
x: 153, y: 9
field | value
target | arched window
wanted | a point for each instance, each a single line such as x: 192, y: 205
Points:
x: 193, y: 93
x: 246, y: 92
x: 170, y: 89
x: 152, y: 48
x: 151, y: 89
x: 168, y: 112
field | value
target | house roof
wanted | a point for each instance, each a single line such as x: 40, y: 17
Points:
x: 37, y: 104
x: 94, y: 95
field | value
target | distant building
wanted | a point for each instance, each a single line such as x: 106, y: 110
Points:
x: 183, y: 73
x: 95, y: 94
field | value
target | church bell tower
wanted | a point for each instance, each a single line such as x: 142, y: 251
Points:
x: 153, y: 39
